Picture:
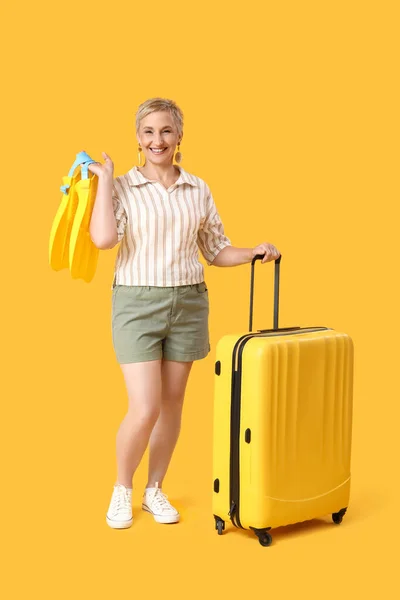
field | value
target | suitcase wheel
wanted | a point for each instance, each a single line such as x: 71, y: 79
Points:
x: 219, y: 525
x: 264, y: 537
x: 338, y: 517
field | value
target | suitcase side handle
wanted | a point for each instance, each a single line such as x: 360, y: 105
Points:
x: 276, y: 290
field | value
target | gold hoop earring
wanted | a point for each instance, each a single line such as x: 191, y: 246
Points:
x: 140, y: 156
x: 178, y: 156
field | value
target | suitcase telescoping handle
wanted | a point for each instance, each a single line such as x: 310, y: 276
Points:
x: 276, y: 290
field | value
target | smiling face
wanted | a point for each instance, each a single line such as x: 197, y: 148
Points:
x: 158, y: 137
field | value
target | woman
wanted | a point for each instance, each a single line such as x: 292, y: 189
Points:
x: 162, y: 215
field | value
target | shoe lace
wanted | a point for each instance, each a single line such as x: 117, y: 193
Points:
x: 121, y: 498
x: 160, y: 500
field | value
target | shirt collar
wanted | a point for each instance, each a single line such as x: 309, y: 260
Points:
x: 137, y: 178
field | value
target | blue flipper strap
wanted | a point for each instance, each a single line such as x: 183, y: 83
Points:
x: 82, y: 158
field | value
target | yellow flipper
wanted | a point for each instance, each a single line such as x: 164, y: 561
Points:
x: 83, y: 254
x: 62, y: 224
x: 70, y: 245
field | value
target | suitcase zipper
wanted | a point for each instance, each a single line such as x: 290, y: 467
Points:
x: 235, y: 431
x: 236, y: 392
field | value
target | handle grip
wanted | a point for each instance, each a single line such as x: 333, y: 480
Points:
x: 276, y: 290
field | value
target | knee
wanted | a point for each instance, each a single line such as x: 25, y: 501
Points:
x: 172, y: 403
x: 145, y: 414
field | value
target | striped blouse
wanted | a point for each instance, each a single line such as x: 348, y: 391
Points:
x: 161, y: 230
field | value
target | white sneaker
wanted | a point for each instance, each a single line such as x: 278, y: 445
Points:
x: 119, y: 514
x: 156, y: 503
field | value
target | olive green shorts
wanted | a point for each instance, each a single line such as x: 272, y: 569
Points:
x: 150, y: 323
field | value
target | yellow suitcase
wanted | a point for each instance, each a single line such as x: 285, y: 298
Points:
x: 282, y: 425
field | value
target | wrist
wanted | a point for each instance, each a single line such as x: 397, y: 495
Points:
x: 249, y: 254
x: 106, y: 178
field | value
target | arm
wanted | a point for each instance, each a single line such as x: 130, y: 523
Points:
x: 211, y: 238
x: 108, y: 220
x: 103, y: 227
x: 231, y: 256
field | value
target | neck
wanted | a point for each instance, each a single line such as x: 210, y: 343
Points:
x: 159, y: 171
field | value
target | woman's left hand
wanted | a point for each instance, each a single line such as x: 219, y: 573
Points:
x: 270, y: 252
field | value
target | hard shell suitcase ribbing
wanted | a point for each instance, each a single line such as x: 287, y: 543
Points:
x: 282, y: 425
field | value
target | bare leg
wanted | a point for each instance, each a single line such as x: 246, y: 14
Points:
x: 143, y: 383
x: 165, y: 434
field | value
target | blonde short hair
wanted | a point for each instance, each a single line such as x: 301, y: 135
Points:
x: 158, y: 104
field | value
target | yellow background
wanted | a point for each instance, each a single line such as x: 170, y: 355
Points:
x: 292, y: 117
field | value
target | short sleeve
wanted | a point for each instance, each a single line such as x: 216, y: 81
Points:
x: 211, y: 238
x: 119, y: 211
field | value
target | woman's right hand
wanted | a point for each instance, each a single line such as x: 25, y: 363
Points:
x: 106, y: 170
